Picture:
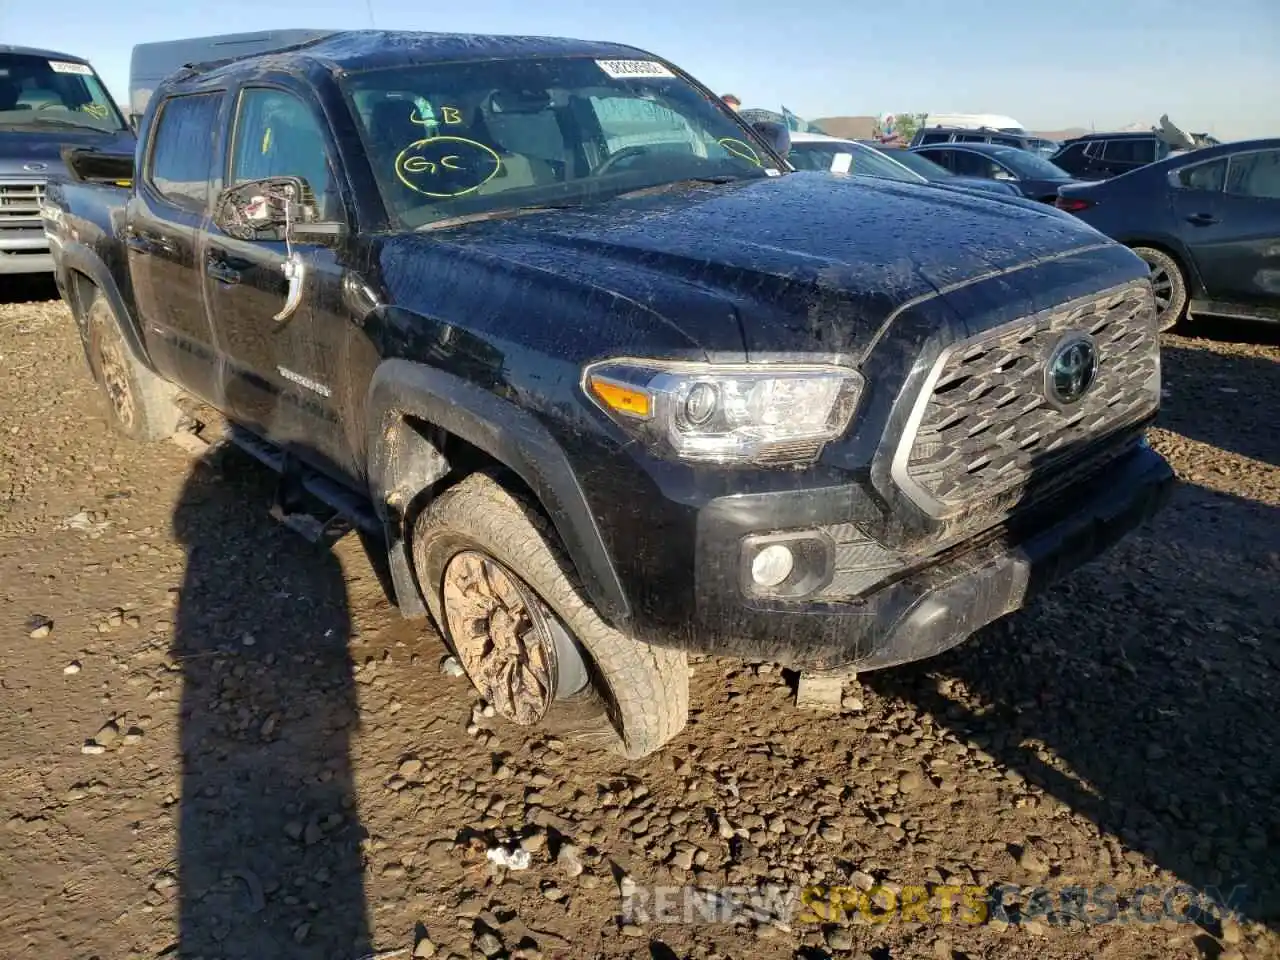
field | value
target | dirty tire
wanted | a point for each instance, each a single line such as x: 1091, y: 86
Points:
x: 644, y: 688
x: 140, y: 404
x: 1170, y: 286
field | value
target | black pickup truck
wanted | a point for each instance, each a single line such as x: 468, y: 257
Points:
x: 614, y: 382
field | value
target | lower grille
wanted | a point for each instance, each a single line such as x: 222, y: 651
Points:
x: 990, y: 419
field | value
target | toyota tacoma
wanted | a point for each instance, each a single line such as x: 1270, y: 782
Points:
x: 612, y: 381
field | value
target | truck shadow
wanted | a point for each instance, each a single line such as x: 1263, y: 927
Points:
x: 28, y: 288
x: 269, y: 844
x: 1154, y: 719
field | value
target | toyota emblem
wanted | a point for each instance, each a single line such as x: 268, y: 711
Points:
x: 1072, y: 369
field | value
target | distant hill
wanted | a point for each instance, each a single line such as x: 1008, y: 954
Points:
x: 851, y: 128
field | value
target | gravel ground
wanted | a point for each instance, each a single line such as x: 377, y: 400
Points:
x: 213, y: 728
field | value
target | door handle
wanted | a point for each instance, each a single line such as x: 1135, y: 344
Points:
x: 141, y: 243
x: 1202, y: 219
x: 221, y: 270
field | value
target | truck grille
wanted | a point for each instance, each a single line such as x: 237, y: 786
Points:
x: 20, y: 201
x: 988, y: 422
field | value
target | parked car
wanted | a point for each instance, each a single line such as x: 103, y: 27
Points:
x: 925, y: 168
x: 1098, y: 156
x: 1021, y: 140
x: 1207, y: 222
x: 819, y: 152
x: 1034, y: 177
x: 608, y: 406
x: 47, y: 100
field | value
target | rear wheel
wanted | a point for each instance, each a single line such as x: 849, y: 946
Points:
x: 1168, y: 284
x: 140, y: 404
x: 501, y: 588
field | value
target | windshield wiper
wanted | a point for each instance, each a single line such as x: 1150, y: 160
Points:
x: 675, y: 184
x: 496, y: 214
x: 64, y: 122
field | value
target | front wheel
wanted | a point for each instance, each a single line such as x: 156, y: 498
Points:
x: 1168, y: 284
x: 499, y: 585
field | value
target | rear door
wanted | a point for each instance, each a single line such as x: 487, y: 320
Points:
x: 1234, y: 231
x: 163, y: 221
x: 282, y: 378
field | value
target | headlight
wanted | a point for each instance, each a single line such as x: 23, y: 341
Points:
x: 727, y: 413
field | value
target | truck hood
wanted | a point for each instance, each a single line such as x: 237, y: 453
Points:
x: 808, y: 262
x: 25, y: 148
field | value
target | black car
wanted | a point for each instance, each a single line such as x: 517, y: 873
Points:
x: 1207, y: 223
x: 48, y: 100
x: 927, y: 136
x: 1035, y: 177
x: 606, y: 379
x: 924, y: 167
x: 1098, y: 156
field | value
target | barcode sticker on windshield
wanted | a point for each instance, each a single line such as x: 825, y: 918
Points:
x: 623, y: 69
x: 62, y: 66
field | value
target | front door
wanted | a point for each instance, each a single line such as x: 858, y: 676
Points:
x: 277, y: 374
x: 163, y: 222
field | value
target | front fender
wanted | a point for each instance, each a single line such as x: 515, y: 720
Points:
x: 74, y: 257
x: 510, y: 435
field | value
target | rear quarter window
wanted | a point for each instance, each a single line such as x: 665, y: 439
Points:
x: 180, y: 162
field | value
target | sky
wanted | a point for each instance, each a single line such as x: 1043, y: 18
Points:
x: 1051, y: 64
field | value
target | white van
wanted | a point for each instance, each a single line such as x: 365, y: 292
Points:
x: 975, y: 121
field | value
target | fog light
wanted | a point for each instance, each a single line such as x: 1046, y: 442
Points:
x: 772, y: 565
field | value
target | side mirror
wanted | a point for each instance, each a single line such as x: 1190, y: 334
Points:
x: 273, y: 208
x: 775, y: 134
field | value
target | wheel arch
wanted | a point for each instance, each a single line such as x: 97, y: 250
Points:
x: 426, y: 425
x: 86, y: 275
x: 1179, y: 255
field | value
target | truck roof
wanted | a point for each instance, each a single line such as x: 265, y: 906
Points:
x: 47, y: 54
x: 355, y: 50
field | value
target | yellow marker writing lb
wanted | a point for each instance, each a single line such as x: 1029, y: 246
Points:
x: 421, y: 162
x: 740, y: 149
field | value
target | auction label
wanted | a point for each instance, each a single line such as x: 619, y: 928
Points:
x: 62, y: 66
x: 624, y: 69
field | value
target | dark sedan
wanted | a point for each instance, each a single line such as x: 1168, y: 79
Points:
x: 1206, y: 222
x: 937, y: 174
x: 1034, y: 177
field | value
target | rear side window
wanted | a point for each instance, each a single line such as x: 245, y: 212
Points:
x: 1256, y: 175
x: 935, y: 138
x: 940, y: 157
x: 1204, y: 176
x: 181, y: 161
x: 1131, y: 151
x: 1007, y: 142
x: 970, y: 138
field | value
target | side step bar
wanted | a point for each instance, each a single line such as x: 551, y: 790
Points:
x: 296, y: 477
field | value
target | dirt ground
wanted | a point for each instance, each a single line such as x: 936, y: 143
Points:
x: 218, y: 740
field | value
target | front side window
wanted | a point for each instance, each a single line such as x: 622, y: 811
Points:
x: 935, y: 138
x: 1203, y: 176
x: 1255, y: 175
x: 181, y: 160
x: 458, y: 139
x: 944, y: 158
x: 39, y: 91
x: 1131, y: 151
x: 970, y: 164
x: 277, y: 135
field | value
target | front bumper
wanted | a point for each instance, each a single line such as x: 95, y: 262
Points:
x: 934, y: 605
x: 14, y: 262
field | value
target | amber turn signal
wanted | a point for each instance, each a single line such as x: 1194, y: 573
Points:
x: 621, y: 398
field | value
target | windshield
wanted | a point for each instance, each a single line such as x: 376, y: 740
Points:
x: 845, y: 157
x: 1029, y: 166
x: 39, y: 91
x: 922, y: 165
x: 460, y: 139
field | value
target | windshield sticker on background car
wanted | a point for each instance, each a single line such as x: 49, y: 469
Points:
x: 741, y: 149
x: 626, y: 69
x: 96, y: 110
x: 446, y: 167
x: 62, y: 66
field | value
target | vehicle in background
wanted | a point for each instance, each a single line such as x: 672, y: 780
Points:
x: 605, y: 407
x: 152, y: 62
x: 1097, y: 156
x: 1034, y: 177
x: 923, y: 167
x: 1206, y: 222
x: 48, y: 100
x: 1022, y: 141
x: 817, y: 151
x: 975, y: 121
